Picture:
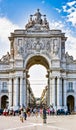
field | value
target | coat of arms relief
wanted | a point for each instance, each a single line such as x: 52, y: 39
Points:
x: 29, y: 46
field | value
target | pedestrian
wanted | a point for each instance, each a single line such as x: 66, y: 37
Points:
x: 22, y: 116
x: 44, y: 115
x: 25, y: 115
x: 41, y: 112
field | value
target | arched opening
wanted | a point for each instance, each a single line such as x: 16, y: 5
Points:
x: 37, y: 68
x: 4, y: 102
x: 70, y: 103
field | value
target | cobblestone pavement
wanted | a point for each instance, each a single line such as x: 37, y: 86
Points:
x: 36, y: 123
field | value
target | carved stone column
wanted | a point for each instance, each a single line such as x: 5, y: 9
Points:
x: 53, y: 91
x: 10, y: 92
x: 59, y: 93
x: 65, y: 93
x: 16, y: 91
x: 21, y: 92
x: 50, y: 91
x: 0, y: 94
x: 24, y: 88
x: 0, y: 101
x: 75, y: 103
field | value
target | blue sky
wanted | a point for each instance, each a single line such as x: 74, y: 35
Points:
x: 61, y: 14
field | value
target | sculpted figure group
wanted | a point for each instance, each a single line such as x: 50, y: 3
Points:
x: 36, y: 19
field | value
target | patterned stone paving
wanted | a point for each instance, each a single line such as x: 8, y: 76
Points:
x: 36, y: 123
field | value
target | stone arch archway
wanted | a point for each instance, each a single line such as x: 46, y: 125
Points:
x: 4, y: 101
x: 36, y: 44
x: 38, y: 60
x: 70, y: 102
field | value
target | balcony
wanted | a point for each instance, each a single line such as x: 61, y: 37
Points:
x: 4, y: 91
x: 70, y: 91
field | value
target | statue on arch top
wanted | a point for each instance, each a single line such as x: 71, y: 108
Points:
x: 38, y: 19
x: 37, y: 22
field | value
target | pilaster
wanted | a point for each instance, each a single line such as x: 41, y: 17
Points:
x: 65, y: 97
x: 53, y: 91
x: 21, y: 92
x: 24, y: 85
x: 0, y: 101
x: 59, y: 98
x: 16, y: 91
x: 50, y: 91
x: 75, y: 103
x: 10, y: 92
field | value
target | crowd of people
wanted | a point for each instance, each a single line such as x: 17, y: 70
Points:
x: 29, y: 111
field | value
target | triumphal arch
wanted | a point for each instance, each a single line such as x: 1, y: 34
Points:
x: 37, y: 44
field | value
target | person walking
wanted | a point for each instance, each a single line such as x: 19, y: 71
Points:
x: 25, y: 115
x: 22, y: 116
x: 44, y: 115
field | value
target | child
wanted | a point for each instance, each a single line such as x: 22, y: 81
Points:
x: 22, y: 116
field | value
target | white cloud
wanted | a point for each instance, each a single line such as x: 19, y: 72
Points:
x: 64, y: 8
x: 70, y: 45
x: 71, y: 3
x: 58, y: 10
x: 56, y: 25
x: 6, y: 27
x: 70, y: 9
x: 72, y: 18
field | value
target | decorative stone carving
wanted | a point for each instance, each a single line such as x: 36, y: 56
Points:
x: 6, y: 58
x: 55, y: 47
x: 68, y: 58
x: 33, y: 45
x: 30, y: 23
x: 38, y: 19
x: 63, y: 50
x: 36, y: 23
x: 45, y: 23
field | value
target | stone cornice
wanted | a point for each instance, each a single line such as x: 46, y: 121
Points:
x: 4, y: 78
x: 57, y: 69
x: 12, y: 70
x: 37, y: 35
x: 70, y: 71
x: 48, y: 34
x: 50, y: 70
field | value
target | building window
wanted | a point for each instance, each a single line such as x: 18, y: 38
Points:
x: 70, y: 85
x: 4, y: 85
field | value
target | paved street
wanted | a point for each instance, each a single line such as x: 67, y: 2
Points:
x: 36, y: 123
